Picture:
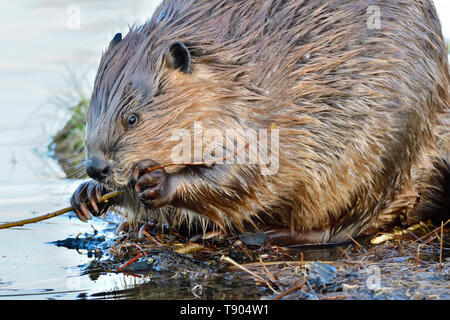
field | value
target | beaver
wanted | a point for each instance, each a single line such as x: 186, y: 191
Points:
x: 361, y: 107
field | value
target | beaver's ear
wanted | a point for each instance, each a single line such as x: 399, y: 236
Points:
x: 178, y: 57
x: 117, y: 38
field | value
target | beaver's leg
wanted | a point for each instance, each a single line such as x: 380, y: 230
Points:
x: 396, y: 210
x: 431, y: 176
x: 424, y: 195
x: 218, y: 191
x: 123, y: 226
x: 433, y: 186
x: 144, y: 228
x: 286, y: 237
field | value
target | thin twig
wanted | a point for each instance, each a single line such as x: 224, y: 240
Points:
x: 335, y: 297
x: 258, y: 277
x: 130, y: 262
x: 112, y: 194
x: 433, y: 231
x: 301, y: 260
x: 287, y: 262
x: 272, y: 278
x: 151, y: 238
x: 357, y: 243
x: 294, y: 288
x: 205, y: 163
x: 228, y: 259
x: 417, y: 257
x: 140, y: 248
x: 20, y: 223
x: 104, y: 198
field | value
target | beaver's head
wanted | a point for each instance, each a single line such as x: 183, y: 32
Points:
x: 133, y: 105
x: 147, y: 88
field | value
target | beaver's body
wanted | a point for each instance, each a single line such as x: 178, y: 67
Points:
x: 362, y: 112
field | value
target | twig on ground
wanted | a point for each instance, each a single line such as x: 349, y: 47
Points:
x: 357, y: 243
x: 129, y: 262
x: 335, y: 297
x: 432, y: 231
x: 417, y: 257
x: 272, y: 278
x: 301, y: 259
x: 151, y: 238
x: 257, y: 277
x: 288, y: 291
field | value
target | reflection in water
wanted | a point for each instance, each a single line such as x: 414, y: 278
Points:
x: 37, y: 51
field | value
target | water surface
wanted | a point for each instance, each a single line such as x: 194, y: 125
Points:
x: 42, y: 58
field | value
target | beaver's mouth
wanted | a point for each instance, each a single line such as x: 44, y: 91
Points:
x: 119, y: 178
x: 111, y: 186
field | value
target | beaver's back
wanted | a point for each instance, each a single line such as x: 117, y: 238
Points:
x: 357, y: 103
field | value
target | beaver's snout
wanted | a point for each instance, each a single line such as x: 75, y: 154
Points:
x: 97, y: 169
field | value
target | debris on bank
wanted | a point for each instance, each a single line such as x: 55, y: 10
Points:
x: 411, y: 265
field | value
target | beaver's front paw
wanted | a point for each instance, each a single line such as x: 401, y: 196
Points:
x: 151, y: 186
x: 86, y: 200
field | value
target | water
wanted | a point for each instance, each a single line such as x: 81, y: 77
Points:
x: 42, y: 57
x: 41, y: 41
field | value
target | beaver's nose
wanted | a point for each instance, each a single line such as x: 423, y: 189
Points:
x: 97, y: 169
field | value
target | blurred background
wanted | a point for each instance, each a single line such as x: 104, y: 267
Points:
x: 50, y: 51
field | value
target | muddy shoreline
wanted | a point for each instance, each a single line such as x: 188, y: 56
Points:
x: 202, y: 270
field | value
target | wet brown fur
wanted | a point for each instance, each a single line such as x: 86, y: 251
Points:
x: 362, y: 114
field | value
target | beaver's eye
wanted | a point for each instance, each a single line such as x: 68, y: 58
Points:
x: 132, y: 120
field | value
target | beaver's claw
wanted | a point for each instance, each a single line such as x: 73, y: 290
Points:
x: 86, y: 200
x: 151, y: 187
